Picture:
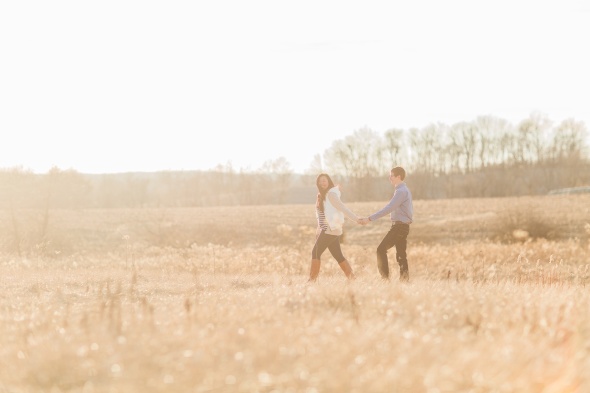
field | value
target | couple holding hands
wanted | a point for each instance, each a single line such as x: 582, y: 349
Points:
x: 330, y: 213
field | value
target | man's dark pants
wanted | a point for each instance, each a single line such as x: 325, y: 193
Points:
x: 397, y: 236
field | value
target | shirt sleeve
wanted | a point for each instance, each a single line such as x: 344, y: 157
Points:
x: 399, y: 196
x: 337, y: 203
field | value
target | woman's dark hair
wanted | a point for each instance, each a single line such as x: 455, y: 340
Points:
x: 322, y: 193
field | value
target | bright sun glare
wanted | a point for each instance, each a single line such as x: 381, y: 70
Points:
x: 135, y: 86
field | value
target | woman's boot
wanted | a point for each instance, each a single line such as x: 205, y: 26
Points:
x: 345, y: 266
x: 314, y: 270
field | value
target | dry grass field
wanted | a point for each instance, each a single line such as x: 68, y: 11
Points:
x: 216, y: 300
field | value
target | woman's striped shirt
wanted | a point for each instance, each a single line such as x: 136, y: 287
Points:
x: 322, y: 222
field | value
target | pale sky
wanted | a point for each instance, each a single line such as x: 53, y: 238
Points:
x: 117, y: 86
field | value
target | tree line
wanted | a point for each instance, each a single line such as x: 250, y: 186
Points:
x: 487, y: 157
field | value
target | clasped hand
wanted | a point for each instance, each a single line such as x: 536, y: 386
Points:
x: 363, y: 221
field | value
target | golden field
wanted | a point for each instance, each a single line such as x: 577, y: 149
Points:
x: 216, y: 300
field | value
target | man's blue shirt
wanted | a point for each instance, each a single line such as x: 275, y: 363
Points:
x: 400, y: 206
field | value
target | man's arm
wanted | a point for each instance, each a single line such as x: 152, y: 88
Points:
x: 398, y: 197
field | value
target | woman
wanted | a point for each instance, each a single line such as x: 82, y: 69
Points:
x: 330, y: 212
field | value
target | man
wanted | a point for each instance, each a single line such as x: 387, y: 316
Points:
x: 402, y: 211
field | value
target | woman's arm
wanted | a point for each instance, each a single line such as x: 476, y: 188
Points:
x: 339, y: 205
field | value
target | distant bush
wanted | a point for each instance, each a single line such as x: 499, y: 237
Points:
x: 523, y: 223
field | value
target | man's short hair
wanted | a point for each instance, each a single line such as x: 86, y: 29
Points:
x: 399, y: 171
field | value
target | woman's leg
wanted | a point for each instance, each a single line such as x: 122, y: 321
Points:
x: 336, y: 252
x: 322, y: 242
x: 345, y: 266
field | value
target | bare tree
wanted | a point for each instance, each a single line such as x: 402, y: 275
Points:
x: 358, y: 157
x: 280, y: 174
x: 491, y: 130
x: 568, y: 141
x: 393, y: 142
x: 455, y: 149
x: 533, y: 135
x: 315, y: 167
x: 246, y: 187
x: 428, y: 148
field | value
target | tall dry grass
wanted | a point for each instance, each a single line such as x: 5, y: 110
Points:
x: 98, y: 231
x: 124, y: 314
